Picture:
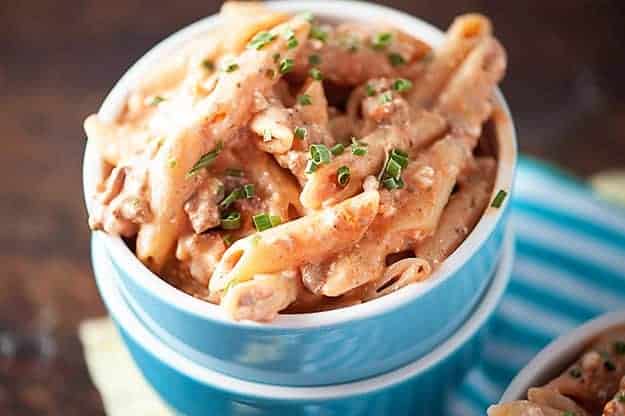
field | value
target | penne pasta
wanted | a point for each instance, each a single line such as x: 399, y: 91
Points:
x: 464, y: 209
x: 282, y: 164
x: 429, y: 182
x: 463, y: 35
x: 262, y: 297
x: 311, y: 238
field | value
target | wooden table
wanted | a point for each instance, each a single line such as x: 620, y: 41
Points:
x: 59, y: 59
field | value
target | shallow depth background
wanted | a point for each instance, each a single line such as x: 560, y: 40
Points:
x: 58, y: 59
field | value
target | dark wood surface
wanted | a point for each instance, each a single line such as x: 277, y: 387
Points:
x: 58, y: 59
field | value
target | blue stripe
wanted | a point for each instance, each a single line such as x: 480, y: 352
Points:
x: 575, y: 266
x: 569, y: 221
x: 590, y: 272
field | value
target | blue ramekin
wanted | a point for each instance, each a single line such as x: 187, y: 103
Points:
x: 418, y: 388
x: 326, y: 347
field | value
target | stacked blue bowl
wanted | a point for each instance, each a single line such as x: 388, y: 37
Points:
x: 400, y: 351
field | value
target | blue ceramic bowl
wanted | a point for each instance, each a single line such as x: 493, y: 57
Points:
x: 418, y: 388
x: 327, y: 347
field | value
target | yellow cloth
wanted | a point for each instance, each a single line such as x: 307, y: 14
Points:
x: 120, y: 383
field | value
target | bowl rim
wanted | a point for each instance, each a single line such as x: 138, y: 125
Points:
x: 122, y: 314
x: 559, y: 354
x: 365, y: 12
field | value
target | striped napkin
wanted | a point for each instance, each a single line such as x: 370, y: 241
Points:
x: 569, y: 268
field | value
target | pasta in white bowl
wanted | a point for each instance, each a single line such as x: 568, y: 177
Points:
x: 289, y: 165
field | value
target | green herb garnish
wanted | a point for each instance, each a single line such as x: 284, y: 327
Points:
x: 300, y: 132
x: 233, y: 196
x: 262, y: 221
x: 231, y: 221
x: 343, y: 175
x: 369, y: 90
x: 249, y: 191
x: 396, y: 59
x: 337, y: 149
x: 317, y: 33
x: 316, y: 74
x: 231, y: 67
x: 206, y: 160
x: 499, y: 198
x: 381, y: 40
x: 286, y: 65
x: 319, y: 154
x: 260, y: 40
x: 304, y: 99
x: 575, y: 372
x: 275, y: 220
x: 311, y: 166
x: 156, y: 100
x: 619, y: 347
x: 236, y: 173
x: 386, y: 97
x: 402, y: 85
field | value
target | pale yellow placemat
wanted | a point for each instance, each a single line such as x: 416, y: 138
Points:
x: 122, y: 387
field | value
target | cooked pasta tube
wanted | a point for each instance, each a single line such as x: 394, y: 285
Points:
x: 550, y: 397
x: 262, y: 297
x: 397, y: 275
x: 312, y: 238
x: 429, y: 182
x: 321, y: 187
x: 217, y: 117
x: 462, y: 36
x: 524, y: 408
x: 462, y: 212
x: 466, y: 100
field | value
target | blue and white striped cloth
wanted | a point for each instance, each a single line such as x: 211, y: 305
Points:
x: 569, y: 268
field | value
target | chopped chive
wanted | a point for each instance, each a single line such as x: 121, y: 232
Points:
x: 337, y: 149
x: 261, y: 221
x: 381, y: 40
x: 231, y: 67
x: 396, y: 59
x: 275, y: 220
x: 172, y: 163
x: 255, y: 240
x: 234, y: 195
x: 621, y: 397
x: 267, y: 136
x: 393, y: 169
x: 300, y: 132
x: 316, y: 74
x: 276, y: 57
x: 249, y: 191
x: 619, y: 347
x: 370, y: 90
x: 317, y: 33
x: 231, y: 221
x: 319, y: 154
x: 260, y: 40
x: 288, y: 33
x: 391, y: 183
x: 358, y: 148
x: 156, y: 100
x: 400, y: 157
x: 311, y: 166
x: 499, y: 198
x: 292, y: 43
x: 343, y: 175
x: 237, y: 173
x: 206, y: 160
x: 227, y: 239
x: 208, y: 65
x: 386, y: 97
x: 314, y: 59
x: 402, y: 85
x: 575, y: 372
x: 304, y: 99
x: 359, y: 151
x: 286, y: 65
x: 568, y: 413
